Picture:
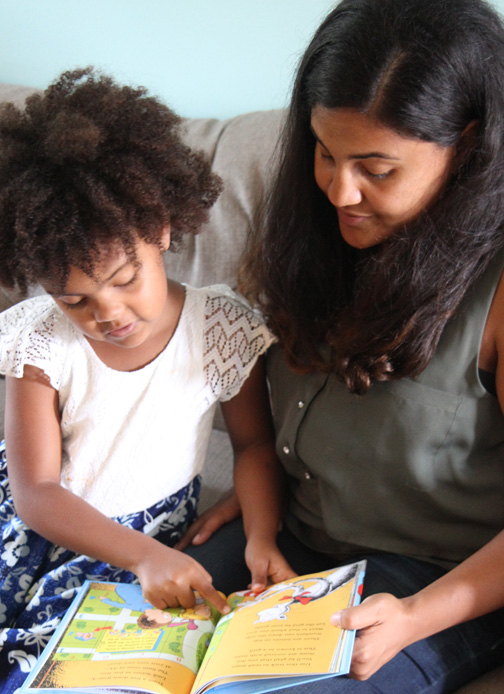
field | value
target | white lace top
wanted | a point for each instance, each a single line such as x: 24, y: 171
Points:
x: 132, y: 438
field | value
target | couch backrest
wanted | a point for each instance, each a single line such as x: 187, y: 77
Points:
x: 242, y: 152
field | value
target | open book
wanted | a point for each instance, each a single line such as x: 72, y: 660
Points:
x: 112, y: 640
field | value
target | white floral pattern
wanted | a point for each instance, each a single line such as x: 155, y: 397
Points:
x: 39, y: 580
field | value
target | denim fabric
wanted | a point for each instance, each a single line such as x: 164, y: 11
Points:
x: 435, y: 665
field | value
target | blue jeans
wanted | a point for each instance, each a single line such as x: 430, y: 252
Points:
x: 435, y: 665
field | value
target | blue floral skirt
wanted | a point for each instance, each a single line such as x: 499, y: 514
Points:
x: 39, y: 580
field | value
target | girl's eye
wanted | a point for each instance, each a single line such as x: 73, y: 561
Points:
x: 77, y: 304
x: 129, y: 282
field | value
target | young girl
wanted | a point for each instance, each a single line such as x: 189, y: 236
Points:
x: 114, y: 374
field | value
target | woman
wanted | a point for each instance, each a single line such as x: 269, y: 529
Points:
x: 379, y: 271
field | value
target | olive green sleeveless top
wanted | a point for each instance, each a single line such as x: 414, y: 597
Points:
x: 414, y: 467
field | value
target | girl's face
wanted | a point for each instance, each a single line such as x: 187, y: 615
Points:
x: 376, y: 179
x: 125, y: 303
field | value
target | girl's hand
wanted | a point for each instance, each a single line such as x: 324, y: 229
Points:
x: 169, y: 579
x: 384, y: 624
x: 209, y: 522
x: 267, y: 564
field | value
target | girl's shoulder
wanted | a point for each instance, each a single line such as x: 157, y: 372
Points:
x: 33, y: 332
x: 219, y: 300
x: 234, y: 337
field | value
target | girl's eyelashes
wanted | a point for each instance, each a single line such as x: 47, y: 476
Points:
x: 130, y: 281
x: 81, y: 302
x: 76, y: 304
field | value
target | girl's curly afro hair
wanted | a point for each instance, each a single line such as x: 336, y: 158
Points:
x: 90, y: 163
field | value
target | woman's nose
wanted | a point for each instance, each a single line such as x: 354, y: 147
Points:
x: 343, y: 189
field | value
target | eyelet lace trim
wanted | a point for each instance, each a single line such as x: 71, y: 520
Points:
x: 233, y: 339
x: 37, y: 347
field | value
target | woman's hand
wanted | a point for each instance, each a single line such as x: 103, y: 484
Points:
x: 209, y: 522
x: 267, y: 564
x: 384, y: 624
x: 169, y: 578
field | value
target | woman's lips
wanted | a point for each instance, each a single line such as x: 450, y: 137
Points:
x: 352, y: 220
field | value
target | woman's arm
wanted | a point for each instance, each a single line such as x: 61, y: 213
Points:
x: 475, y: 587
x: 33, y: 446
x: 258, y: 477
x: 224, y: 511
x: 387, y: 624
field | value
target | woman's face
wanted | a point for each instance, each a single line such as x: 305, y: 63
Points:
x: 376, y: 179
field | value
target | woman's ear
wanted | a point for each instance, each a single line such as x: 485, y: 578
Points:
x: 466, y: 144
x: 165, y: 237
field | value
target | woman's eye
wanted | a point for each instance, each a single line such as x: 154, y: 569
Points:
x: 323, y: 153
x: 378, y: 176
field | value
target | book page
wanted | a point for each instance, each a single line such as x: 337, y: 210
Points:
x: 114, y: 638
x: 285, y: 630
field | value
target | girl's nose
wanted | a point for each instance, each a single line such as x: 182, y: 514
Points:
x: 343, y: 189
x: 105, y: 311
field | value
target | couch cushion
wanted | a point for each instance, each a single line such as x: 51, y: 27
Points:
x: 242, y: 152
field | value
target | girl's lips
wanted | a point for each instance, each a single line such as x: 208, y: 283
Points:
x: 124, y: 331
x: 352, y: 220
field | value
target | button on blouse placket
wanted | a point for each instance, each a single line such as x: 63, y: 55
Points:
x: 286, y: 448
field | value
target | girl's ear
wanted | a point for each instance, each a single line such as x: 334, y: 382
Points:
x: 165, y: 237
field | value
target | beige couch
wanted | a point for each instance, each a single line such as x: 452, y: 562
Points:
x: 241, y: 150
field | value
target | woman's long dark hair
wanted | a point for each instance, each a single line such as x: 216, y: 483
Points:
x: 426, y: 69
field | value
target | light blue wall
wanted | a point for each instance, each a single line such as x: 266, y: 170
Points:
x: 202, y: 57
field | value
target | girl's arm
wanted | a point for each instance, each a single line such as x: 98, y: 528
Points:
x: 33, y: 446
x: 258, y: 477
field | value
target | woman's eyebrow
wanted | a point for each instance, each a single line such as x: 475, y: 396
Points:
x: 368, y: 155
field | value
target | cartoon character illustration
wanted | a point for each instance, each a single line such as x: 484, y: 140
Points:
x: 153, y: 618
x: 200, y: 610
x: 82, y: 635
x: 303, y: 592
x: 131, y: 596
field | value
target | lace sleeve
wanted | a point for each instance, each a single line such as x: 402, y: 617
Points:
x: 234, y: 337
x: 31, y: 333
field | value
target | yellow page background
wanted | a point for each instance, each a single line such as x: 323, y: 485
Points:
x: 103, y: 645
x: 304, y: 642
x: 146, y: 674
